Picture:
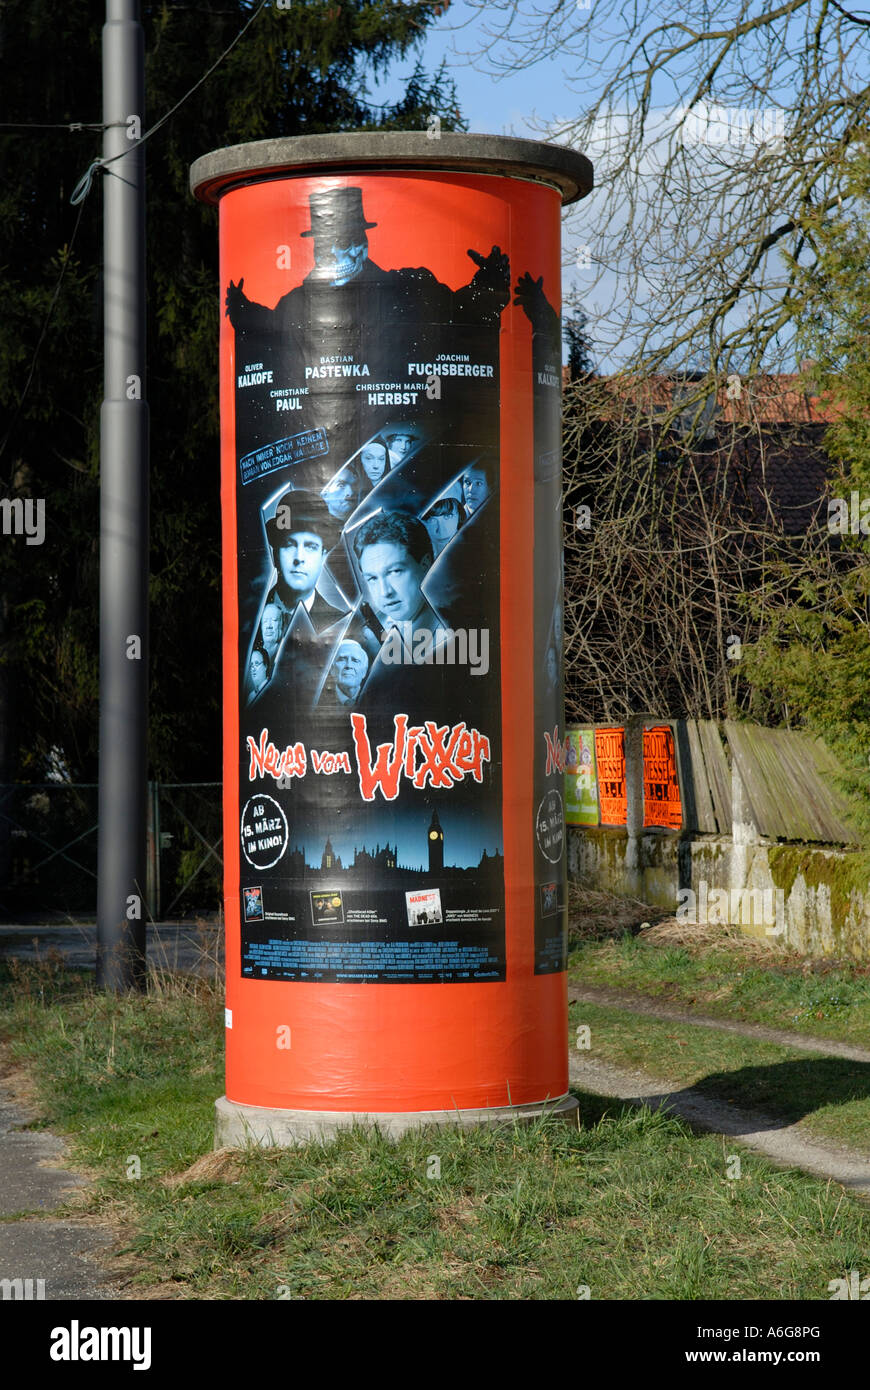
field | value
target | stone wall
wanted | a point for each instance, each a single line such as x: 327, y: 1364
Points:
x: 814, y: 897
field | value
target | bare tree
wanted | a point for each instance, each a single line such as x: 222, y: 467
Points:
x: 720, y: 134
x: 723, y: 133
x: 682, y: 547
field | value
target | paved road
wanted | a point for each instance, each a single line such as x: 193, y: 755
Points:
x: 784, y: 1143
x: 56, y: 1252
x: 171, y: 945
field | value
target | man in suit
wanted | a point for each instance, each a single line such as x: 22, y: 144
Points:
x: 394, y: 552
x: 403, y: 634
x: 300, y: 535
x: 349, y: 670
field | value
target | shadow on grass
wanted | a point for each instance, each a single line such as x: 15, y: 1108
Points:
x: 751, y: 1099
x: 787, y: 1091
x: 594, y: 1108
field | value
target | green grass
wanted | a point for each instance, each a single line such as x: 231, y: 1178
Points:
x: 632, y: 1205
x: 751, y: 983
x: 828, y: 1096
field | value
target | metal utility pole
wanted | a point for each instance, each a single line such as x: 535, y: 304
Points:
x: 123, y: 512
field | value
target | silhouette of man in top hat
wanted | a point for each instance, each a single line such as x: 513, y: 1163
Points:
x: 341, y: 261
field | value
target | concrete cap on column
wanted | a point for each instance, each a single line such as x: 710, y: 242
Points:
x: 371, y: 151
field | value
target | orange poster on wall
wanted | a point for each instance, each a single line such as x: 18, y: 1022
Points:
x: 661, y: 786
x: 610, y: 758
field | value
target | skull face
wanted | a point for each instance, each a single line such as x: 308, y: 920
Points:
x: 339, y: 264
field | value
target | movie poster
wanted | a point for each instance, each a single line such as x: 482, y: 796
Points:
x: 549, y: 779
x: 367, y: 509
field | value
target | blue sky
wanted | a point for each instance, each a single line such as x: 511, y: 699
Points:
x: 492, y: 106
x: 619, y: 298
x: 514, y: 103
x: 509, y: 104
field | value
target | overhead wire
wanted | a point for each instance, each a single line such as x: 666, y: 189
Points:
x: 52, y: 125
x: 83, y: 188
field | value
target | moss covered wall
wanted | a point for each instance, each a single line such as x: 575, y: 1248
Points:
x: 826, y: 891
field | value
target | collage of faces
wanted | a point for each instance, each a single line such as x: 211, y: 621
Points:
x: 353, y: 567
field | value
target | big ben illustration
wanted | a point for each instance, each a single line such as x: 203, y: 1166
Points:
x: 436, y: 845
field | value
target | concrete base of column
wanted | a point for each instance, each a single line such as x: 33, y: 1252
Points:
x: 237, y: 1126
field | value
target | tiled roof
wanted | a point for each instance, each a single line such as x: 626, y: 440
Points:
x: 764, y: 458
x: 780, y: 476
x: 768, y: 399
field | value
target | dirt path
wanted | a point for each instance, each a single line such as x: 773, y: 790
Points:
x: 641, y: 1004
x: 783, y: 1143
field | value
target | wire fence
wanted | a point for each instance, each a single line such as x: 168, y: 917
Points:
x: 48, y: 849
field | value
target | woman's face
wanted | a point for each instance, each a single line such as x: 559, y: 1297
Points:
x: 374, y: 462
x: 259, y: 670
x: 400, y: 445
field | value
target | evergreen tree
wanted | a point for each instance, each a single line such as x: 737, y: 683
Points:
x: 577, y: 340
x: 813, y: 665
x: 299, y: 70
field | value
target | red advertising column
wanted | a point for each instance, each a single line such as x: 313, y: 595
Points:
x: 394, y: 742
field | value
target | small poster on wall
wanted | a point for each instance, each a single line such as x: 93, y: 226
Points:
x: 610, y: 761
x: 581, y: 781
x: 661, y: 787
